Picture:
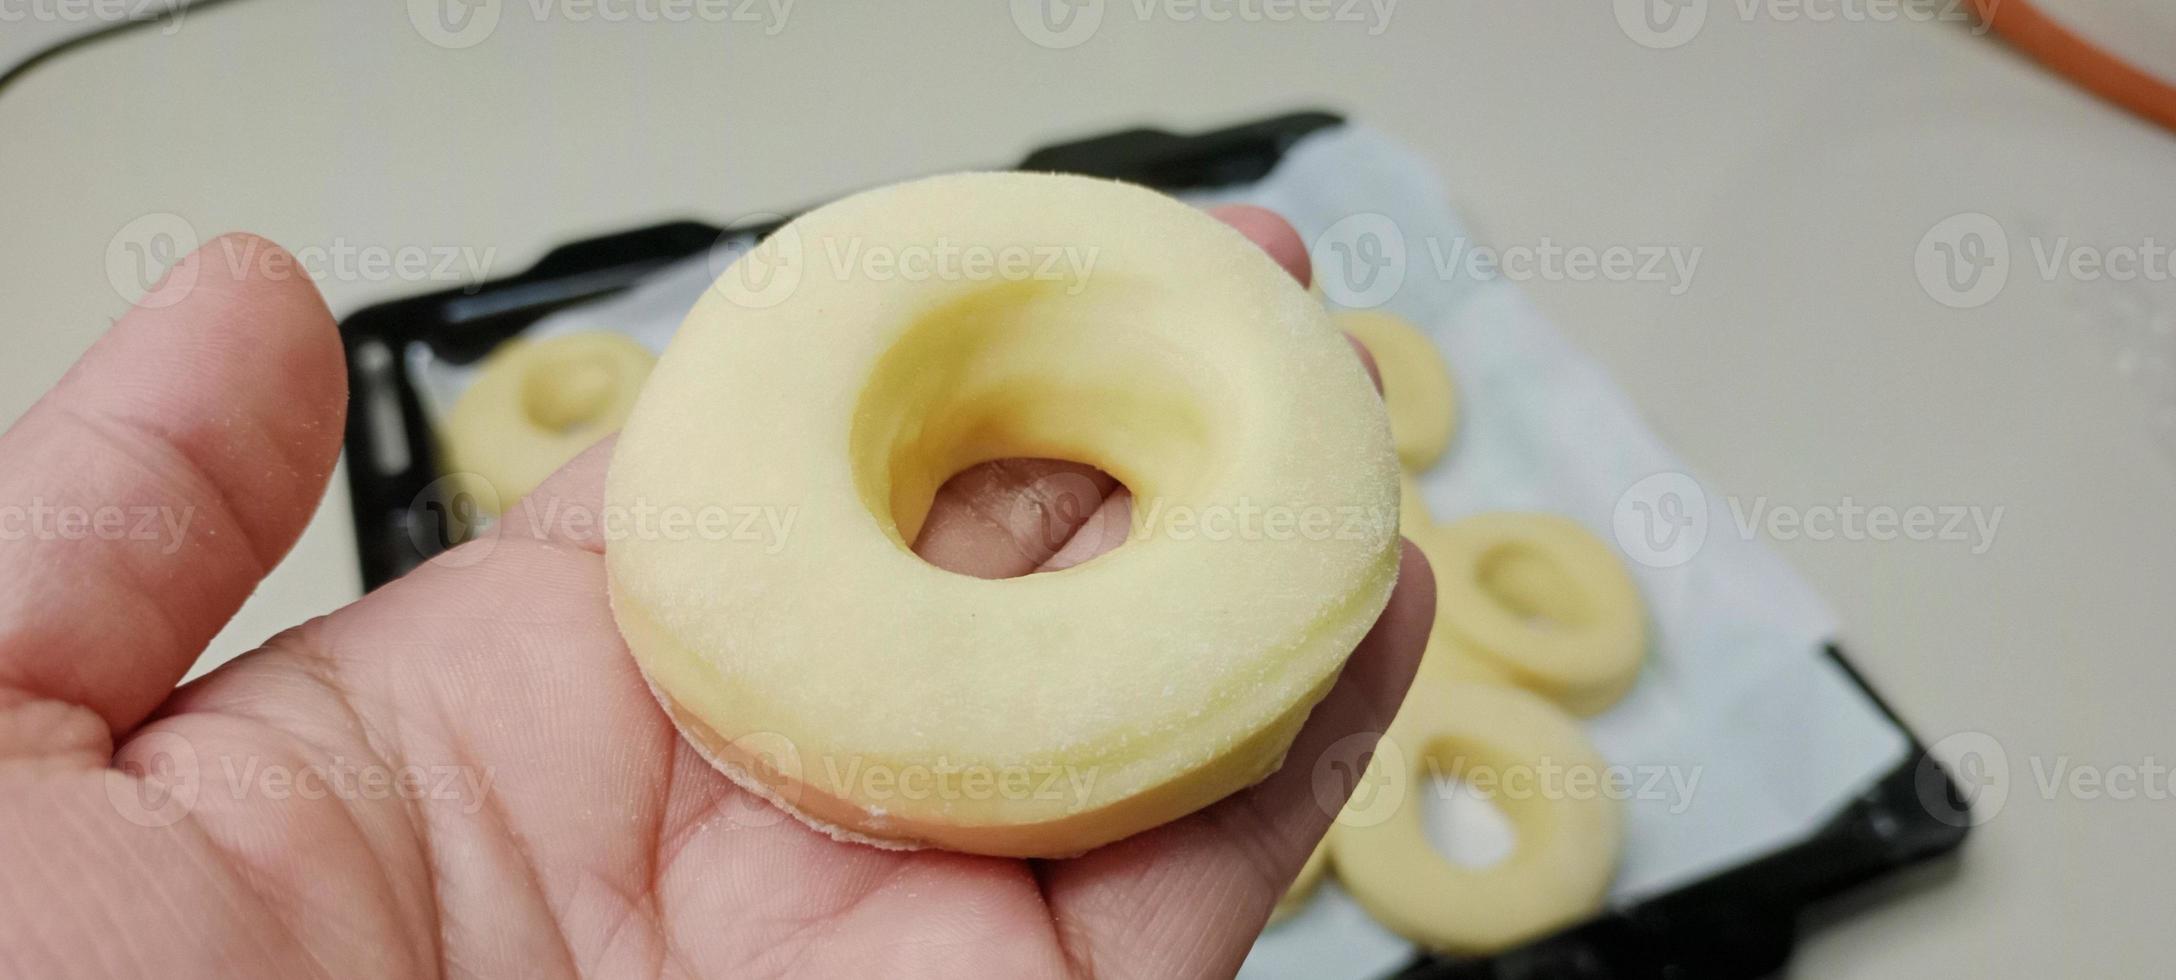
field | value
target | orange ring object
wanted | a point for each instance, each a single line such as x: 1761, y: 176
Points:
x: 2068, y: 54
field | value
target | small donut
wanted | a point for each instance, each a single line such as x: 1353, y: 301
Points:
x: 536, y: 404
x: 1543, y: 599
x: 1548, y: 781
x: 838, y: 674
x: 1450, y: 660
x: 1416, y: 383
x: 1303, y: 887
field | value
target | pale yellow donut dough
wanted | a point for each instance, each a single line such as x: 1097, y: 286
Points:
x: 1295, y: 897
x: 1450, y: 660
x: 1417, y: 385
x: 537, y: 404
x: 1543, y: 599
x: 1567, y: 825
x: 837, y: 673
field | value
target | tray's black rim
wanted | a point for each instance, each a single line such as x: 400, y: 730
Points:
x: 1736, y: 924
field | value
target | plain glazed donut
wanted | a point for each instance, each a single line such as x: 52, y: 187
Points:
x: 1544, y: 600
x: 1416, y: 384
x: 881, y: 699
x: 1548, y: 781
x: 535, y: 404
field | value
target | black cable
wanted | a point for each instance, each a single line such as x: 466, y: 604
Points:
x: 107, y: 32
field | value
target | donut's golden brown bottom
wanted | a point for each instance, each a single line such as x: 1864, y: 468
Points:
x: 747, y: 763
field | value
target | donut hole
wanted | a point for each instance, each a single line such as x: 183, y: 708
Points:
x: 1068, y: 390
x: 1464, y: 825
x: 1531, y: 587
x: 1463, y: 821
x: 562, y: 395
x: 1013, y: 517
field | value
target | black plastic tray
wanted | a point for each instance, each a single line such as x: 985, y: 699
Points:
x: 1740, y: 923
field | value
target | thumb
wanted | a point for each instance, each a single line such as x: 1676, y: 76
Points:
x: 143, y: 498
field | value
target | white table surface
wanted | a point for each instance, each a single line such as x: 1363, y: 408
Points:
x: 1805, y: 364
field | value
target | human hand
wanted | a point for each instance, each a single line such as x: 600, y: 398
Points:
x: 462, y: 772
